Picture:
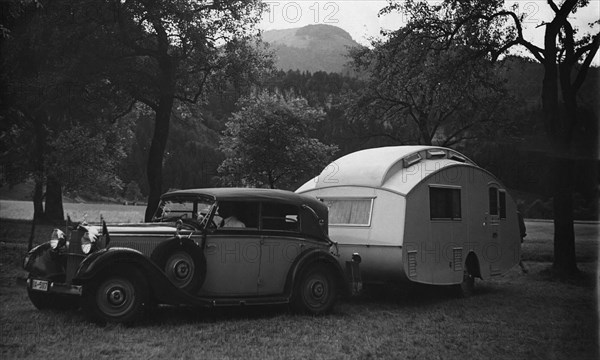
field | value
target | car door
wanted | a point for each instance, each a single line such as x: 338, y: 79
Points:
x: 233, y: 256
x: 281, y: 244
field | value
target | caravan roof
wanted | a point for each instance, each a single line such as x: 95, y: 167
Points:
x: 396, y: 168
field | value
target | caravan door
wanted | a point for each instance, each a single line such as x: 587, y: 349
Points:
x: 492, y: 251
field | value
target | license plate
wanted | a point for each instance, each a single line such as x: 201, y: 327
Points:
x: 39, y: 285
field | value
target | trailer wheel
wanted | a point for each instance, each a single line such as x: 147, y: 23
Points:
x: 118, y: 297
x: 316, y: 291
x: 467, y: 287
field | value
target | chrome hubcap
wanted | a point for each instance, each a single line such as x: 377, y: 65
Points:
x: 182, y: 269
x: 318, y: 289
x: 116, y: 296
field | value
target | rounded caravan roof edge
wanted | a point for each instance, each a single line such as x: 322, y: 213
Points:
x: 471, y: 165
x: 371, y: 167
x: 307, y: 191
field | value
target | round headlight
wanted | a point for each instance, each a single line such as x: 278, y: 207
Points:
x: 88, y: 239
x: 57, y: 239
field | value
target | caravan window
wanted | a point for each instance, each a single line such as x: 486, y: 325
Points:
x: 352, y: 212
x: 497, y: 202
x: 493, y: 201
x: 444, y: 203
x: 502, y: 202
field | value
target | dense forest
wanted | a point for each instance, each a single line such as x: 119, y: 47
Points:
x: 517, y: 157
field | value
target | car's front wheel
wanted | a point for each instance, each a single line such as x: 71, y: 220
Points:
x: 315, y: 291
x: 119, y: 296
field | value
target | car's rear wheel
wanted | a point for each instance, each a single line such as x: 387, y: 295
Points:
x: 315, y: 291
x: 117, y: 297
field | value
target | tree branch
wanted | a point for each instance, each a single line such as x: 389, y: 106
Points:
x: 592, y: 48
x: 553, y: 6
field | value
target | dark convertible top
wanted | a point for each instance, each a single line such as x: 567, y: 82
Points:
x: 247, y: 194
x: 262, y: 195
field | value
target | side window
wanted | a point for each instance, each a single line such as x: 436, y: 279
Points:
x: 497, y: 202
x: 237, y: 215
x: 502, y: 203
x: 351, y: 212
x: 282, y: 217
x: 493, y: 201
x: 444, y: 203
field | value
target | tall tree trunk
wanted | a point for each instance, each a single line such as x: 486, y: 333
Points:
x: 565, y: 260
x: 39, y: 147
x: 564, y: 232
x: 156, y: 154
x: 38, y: 209
x: 558, y: 130
x: 54, y: 205
x: 38, y: 200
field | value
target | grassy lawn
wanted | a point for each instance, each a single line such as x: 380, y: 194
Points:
x: 516, y: 316
x: 19, y: 210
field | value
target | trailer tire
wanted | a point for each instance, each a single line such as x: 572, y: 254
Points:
x: 467, y: 287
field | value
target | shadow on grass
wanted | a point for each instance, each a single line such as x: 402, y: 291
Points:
x: 178, y: 315
x: 580, y: 278
x: 417, y: 295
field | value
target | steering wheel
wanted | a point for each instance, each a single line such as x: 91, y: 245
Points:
x: 190, y: 223
x: 211, y: 225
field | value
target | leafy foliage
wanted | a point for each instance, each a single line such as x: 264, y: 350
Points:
x: 50, y: 86
x: 268, y: 143
x: 491, y: 30
x: 420, y: 92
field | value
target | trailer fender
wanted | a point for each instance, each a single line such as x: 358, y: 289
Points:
x: 472, y: 265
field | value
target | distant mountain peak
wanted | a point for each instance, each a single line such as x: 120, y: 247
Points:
x: 324, y: 31
x: 311, y: 48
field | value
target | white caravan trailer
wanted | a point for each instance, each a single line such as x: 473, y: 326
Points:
x: 419, y: 213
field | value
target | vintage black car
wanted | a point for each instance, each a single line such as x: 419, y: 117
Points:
x: 207, y: 247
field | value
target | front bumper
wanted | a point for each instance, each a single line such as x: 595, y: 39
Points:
x: 46, y: 286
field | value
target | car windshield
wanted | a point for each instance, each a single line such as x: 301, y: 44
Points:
x: 175, y: 208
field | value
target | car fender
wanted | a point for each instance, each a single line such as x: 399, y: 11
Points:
x: 312, y: 256
x: 43, y: 261
x: 162, y: 288
x: 168, y: 244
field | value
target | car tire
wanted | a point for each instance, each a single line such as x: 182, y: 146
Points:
x: 117, y: 297
x: 316, y: 291
x: 45, y: 301
x: 184, y: 266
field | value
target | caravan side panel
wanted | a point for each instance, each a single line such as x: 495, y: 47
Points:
x: 379, y: 240
x: 452, y: 215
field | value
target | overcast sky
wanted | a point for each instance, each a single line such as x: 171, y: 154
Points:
x: 359, y: 17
